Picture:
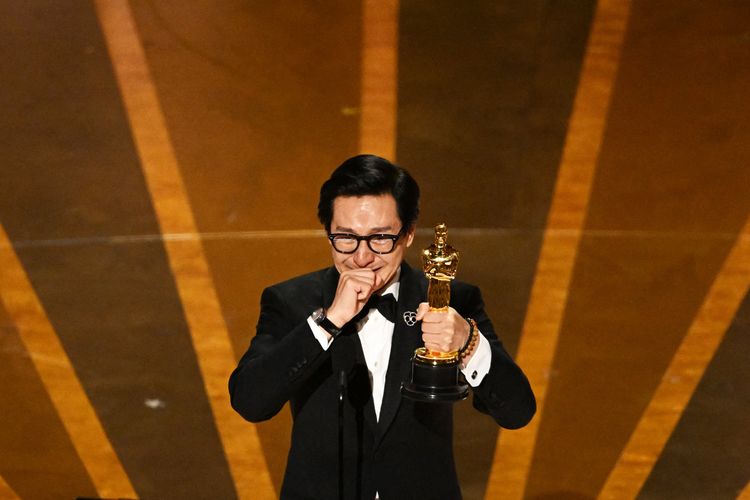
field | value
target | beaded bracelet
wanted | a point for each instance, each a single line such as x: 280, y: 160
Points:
x: 471, y: 341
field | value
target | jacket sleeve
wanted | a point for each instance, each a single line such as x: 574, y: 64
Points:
x: 282, y: 355
x: 505, y: 393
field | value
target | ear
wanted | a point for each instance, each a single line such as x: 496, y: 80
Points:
x: 409, y: 236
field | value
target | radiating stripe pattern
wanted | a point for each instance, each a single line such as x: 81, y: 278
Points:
x: 59, y: 377
x: 6, y: 492
x: 379, y: 78
x: 745, y: 493
x: 546, y: 307
x: 656, y: 446
x: 685, y: 371
x: 187, y: 259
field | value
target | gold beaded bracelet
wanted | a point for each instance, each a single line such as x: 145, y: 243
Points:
x: 471, y: 341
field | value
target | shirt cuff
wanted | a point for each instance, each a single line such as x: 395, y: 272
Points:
x: 479, y: 364
x: 319, y: 334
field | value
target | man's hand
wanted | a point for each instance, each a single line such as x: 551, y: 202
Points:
x: 444, y: 331
x: 352, y: 293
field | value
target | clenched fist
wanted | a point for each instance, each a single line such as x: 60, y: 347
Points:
x: 352, y: 293
x: 444, y: 331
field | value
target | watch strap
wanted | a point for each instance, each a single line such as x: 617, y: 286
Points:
x: 320, y: 319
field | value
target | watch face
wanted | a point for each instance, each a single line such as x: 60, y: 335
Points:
x: 319, y: 318
x: 318, y: 315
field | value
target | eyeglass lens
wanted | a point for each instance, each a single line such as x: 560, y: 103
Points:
x: 377, y: 243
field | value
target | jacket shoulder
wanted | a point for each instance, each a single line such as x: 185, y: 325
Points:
x: 463, y: 288
x: 304, y: 292
x: 314, y: 278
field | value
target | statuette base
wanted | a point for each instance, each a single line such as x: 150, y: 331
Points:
x: 432, y: 381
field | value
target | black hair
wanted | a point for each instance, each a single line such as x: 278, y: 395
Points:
x: 364, y: 175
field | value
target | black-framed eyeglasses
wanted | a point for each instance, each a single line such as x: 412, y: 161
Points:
x: 378, y: 243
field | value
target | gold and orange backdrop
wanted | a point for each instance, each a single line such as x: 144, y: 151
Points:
x: 160, y: 165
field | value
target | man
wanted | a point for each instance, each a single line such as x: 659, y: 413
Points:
x: 321, y: 337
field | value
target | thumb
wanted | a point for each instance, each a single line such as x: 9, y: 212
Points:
x: 422, y: 310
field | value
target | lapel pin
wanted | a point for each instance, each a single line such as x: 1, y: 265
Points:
x: 410, y: 318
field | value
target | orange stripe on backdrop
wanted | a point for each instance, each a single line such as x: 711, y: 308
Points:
x: 683, y: 374
x: 745, y: 494
x: 192, y: 275
x: 377, y: 125
x: 6, y: 492
x: 538, y: 343
x: 59, y: 377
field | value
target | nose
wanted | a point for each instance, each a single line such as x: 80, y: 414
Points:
x: 363, y: 256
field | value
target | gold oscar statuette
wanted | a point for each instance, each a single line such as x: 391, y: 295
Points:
x: 434, y: 374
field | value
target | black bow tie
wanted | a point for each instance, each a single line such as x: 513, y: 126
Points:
x: 385, y: 304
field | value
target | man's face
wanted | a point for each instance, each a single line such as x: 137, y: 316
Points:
x: 363, y: 216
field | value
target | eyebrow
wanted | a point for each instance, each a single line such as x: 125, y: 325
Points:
x: 374, y: 230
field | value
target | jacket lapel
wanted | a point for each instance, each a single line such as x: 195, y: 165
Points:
x: 406, y: 338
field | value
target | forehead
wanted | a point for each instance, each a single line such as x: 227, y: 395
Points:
x: 361, y: 213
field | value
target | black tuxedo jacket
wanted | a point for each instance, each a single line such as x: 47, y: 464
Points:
x: 405, y: 454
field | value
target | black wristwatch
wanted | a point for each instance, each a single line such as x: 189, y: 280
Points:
x: 320, y: 319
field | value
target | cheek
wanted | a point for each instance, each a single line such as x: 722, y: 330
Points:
x: 389, y: 265
x: 339, y: 259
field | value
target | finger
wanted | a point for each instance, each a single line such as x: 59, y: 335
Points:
x: 364, y: 271
x: 363, y: 295
x: 355, y: 286
x: 378, y: 281
x: 422, y: 309
x: 435, y: 317
x: 361, y: 271
x: 358, y: 280
x: 440, y: 343
x: 433, y: 328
